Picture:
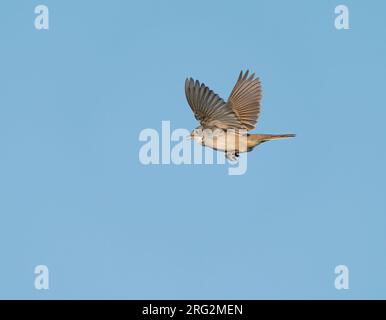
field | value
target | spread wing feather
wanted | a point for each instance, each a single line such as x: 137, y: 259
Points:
x: 240, y: 112
x: 245, y: 99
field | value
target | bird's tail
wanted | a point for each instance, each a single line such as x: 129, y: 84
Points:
x: 255, y: 139
x: 268, y: 137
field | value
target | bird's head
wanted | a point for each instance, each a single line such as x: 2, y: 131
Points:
x: 197, y: 134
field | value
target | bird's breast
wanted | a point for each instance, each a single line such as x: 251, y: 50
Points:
x: 227, y: 141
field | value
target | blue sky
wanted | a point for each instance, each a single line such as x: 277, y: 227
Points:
x: 75, y: 197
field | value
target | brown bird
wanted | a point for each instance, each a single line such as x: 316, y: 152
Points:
x: 224, y: 125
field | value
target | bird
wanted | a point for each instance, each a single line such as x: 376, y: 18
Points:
x: 224, y: 125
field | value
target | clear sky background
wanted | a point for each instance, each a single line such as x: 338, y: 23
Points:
x: 74, y: 197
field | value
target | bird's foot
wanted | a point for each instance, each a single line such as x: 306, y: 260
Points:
x: 232, y: 156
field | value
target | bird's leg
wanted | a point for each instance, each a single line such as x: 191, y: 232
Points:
x: 232, y: 155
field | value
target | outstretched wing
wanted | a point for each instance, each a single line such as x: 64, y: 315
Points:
x: 208, y: 108
x: 245, y: 99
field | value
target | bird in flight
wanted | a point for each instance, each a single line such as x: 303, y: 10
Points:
x: 224, y: 125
